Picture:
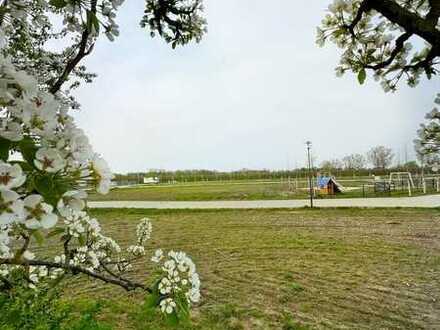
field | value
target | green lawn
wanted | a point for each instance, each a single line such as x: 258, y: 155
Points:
x: 291, y: 269
x: 235, y: 190
x: 207, y: 191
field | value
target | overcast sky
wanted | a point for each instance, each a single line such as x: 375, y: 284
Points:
x: 248, y: 96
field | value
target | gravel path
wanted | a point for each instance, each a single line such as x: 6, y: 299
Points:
x: 429, y: 201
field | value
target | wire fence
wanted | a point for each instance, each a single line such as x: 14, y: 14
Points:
x: 295, y: 188
x: 387, y: 188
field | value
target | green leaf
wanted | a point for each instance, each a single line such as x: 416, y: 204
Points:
x: 28, y: 149
x: 45, y: 187
x: 183, y: 312
x: 81, y: 240
x: 339, y: 32
x: 38, y: 237
x: 51, y: 186
x: 62, y: 186
x: 43, y: 184
x: 172, y: 319
x: 152, y: 300
x: 5, y: 146
x: 92, y: 22
x: 362, y: 76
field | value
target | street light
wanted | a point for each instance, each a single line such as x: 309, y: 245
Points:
x: 309, y: 160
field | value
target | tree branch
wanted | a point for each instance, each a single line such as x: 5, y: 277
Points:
x: 364, y: 8
x: 408, y: 20
x: 426, y: 63
x: 124, y: 283
x: 434, y: 12
x: 400, y: 43
x: 411, y: 22
x: 27, y: 241
x: 82, y: 52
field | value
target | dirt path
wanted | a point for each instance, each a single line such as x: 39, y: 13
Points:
x: 430, y: 201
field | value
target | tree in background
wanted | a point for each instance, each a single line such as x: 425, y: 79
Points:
x: 411, y: 166
x: 427, y: 143
x: 380, y: 157
x: 43, y: 186
x: 354, y: 162
x: 331, y: 166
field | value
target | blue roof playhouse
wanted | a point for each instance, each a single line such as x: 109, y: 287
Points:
x: 328, y: 185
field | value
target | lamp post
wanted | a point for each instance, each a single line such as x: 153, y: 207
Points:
x: 309, y: 160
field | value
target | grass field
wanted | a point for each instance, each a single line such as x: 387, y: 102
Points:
x: 206, y: 191
x: 246, y: 190
x: 291, y: 269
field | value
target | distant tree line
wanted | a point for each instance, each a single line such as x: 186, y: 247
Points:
x: 378, y: 161
x: 212, y: 175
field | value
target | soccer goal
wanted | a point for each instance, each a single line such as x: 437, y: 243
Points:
x: 402, y: 177
x: 434, y: 180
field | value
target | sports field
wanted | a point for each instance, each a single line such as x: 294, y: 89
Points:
x: 290, y: 269
x: 241, y: 190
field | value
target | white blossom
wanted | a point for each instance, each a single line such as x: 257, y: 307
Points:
x: 49, y: 160
x: 28, y: 83
x: 5, y: 251
x: 11, y: 130
x: 49, y: 141
x: 72, y: 201
x: 167, y: 305
x: 11, y: 207
x: 38, y: 214
x: 11, y: 176
x: 143, y: 231
x: 102, y: 173
x: 28, y: 255
x: 179, y: 276
x: 36, y: 274
x: 136, y: 250
x: 158, y: 255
